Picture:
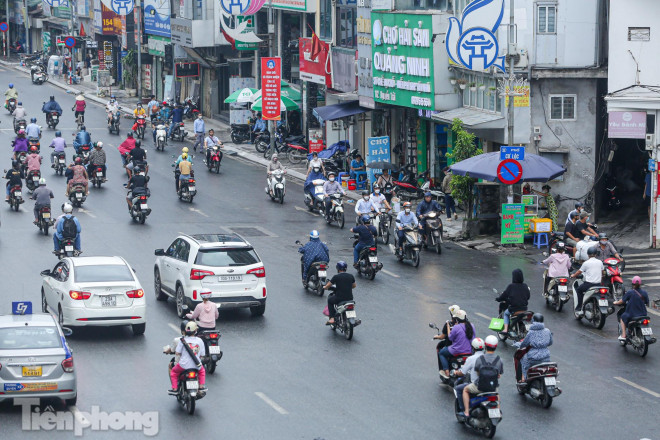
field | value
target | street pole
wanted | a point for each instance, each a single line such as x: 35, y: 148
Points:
x: 7, y: 34
x: 271, y: 49
x: 139, y: 49
x: 27, y: 27
x: 510, y: 93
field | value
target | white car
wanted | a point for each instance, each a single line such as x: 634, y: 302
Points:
x: 94, y: 291
x: 224, y: 264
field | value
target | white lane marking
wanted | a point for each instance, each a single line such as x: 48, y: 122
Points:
x: 86, y: 212
x: 390, y: 273
x: 650, y: 278
x: 640, y: 255
x: 174, y: 327
x: 307, y: 211
x: 652, y: 284
x: 271, y: 403
x: 594, y: 333
x: 198, y: 211
x: 653, y: 311
x: 639, y: 387
x: 482, y: 315
x: 637, y: 266
x: 79, y: 417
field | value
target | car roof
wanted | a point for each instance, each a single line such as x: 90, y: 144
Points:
x: 218, y: 240
x: 94, y: 261
x: 40, y: 319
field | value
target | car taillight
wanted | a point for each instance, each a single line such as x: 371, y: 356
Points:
x: 77, y: 295
x: 322, y: 266
x: 258, y: 272
x: 350, y: 307
x: 213, y: 336
x: 646, y: 322
x: 198, y: 274
x: 563, y: 281
x: 138, y: 293
x: 191, y: 374
x: 67, y: 365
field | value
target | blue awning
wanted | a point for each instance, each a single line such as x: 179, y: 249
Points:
x: 338, y: 111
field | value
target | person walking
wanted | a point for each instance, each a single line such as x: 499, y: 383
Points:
x: 450, y: 205
x: 199, y: 128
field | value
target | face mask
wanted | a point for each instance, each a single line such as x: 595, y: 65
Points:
x: 407, y: 211
x: 377, y: 191
x: 603, y: 242
x: 332, y: 179
x: 365, y: 198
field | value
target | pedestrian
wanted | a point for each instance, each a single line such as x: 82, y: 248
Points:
x: 88, y: 61
x: 199, y: 129
x: 647, y: 192
x: 450, y: 205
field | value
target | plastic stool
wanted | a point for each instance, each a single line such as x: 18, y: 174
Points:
x: 361, y: 184
x: 540, y: 239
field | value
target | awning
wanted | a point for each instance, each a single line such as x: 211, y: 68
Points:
x: 471, y: 117
x: 192, y: 53
x: 338, y: 111
x: 57, y: 22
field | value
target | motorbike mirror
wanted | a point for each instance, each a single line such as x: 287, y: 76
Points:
x: 545, y: 254
x: 67, y: 332
x: 172, y: 165
x: 298, y: 242
x: 45, y: 273
x: 432, y: 325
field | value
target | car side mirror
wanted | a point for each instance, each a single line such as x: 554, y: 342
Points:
x: 67, y: 332
x: 159, y: 252
x: 45, y: 273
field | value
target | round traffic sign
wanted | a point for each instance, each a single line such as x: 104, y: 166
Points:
x: 69, y: 42
x: 4, y: 27
x: 509, y: 171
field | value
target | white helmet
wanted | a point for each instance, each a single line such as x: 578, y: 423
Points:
x: 491, y: 342
x: 205, y: 295
x: 42, y: 181
x: 478, y: 344
x: 453, y: 309
x: 67, y: 208
x: 191, y: 328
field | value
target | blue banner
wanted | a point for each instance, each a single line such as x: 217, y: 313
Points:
x: 378, y: 149
x: 157, y: 18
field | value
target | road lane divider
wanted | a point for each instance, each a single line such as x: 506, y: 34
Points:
x: 639, y: 387
x: 84, y: 211
x: 307, y: 211
x: 198, y: 211
x: 174, y: 327
x: 390, y: 273
x: 482, y: 315
x: 653, y: 311
x: 271, y: 403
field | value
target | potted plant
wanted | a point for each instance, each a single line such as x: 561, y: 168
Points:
x: 452, y: 81
x: 461, y: 83
x: 482, y: 87
x: 473, y: 87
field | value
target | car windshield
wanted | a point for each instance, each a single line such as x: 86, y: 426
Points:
x: 226, y: 257
x: 103, y: 273
x: 28, y: 337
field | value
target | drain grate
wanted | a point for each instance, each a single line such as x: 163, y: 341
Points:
x: 248, y: 232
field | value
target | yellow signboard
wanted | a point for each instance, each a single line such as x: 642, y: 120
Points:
x: 519, y: 101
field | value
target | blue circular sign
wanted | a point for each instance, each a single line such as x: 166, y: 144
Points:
x: 69, y: 42
x: 509, y: 171
x: 270, y: 64
x: 4, y: 27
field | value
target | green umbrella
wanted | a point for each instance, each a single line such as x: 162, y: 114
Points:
x: 285, y: 105
x: 241, y: 95
x: 286, y: 91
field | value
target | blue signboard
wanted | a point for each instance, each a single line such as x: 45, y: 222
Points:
x: 515, y: 153
x: 21, y: 308
x: 378, y: 149
x: 157, y: 18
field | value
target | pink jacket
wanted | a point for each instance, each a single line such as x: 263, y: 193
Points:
x: 33, y: 162
x: 205, y: 314
x: 559, y: 265
x: 80, y: 106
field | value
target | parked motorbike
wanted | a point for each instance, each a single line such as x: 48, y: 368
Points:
x: 15, y: 197
x: 262, y: 141
x: 557, y: 293
x: 140, y: 209
x: 60, y: 163
x: 432, y: 233
x: 161, y: 137
x: 52, y: 119
x: 32, y: 180
x: 297, y: 149
x: 519, y: 323
x: 141, y: 124
x: 407, y: 187
x: 541, y: 383
x: 77, y: 195
x: 240, y: 133
x: 368, y: 264
x: 412, y: 244
x: 45, y: 219
x: 187, y: 189
x: 114, y: 122
x: 317, y: 275
x: 39, y: 76
x: 190, y: 109
x: 639, y: 334
x: 178, y: 132
x: 612, y: 277
x: 214, y: 159
x: 11, y: 105
x: 485, y: 413
x: 346, y: 318
x: 315, y: 201
x: 612, y: 194
x: 188, y: 391
x: 336, y: 210
x: 276, y: 188
x: 455, y: 362
x: 596, y: 305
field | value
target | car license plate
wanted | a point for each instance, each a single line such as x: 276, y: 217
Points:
x: 550, y: 381
x: 230, y: 278
x: 18, y: 194
x: 214, y: 349
x: 323, y: 274
x: 144, y: 206
x: 647, y: 331
x: 32, y: 371
x: 109, y: 301
x: 494, y: 413
x: 46, y: 214
x: 350, y: 314
x: 602, y: 303
x: 191, y: 188
x: 373, y: 259
x: 62, y: 161
x: 562, y: 288
x: 68, y: 248
x: 192, y: 385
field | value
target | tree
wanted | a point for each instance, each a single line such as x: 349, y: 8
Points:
x: 464, y: 147
x: 129, y: 69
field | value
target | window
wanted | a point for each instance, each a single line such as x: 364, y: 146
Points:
x: 326, y: 19
x: 29, y: 338
x: 102, y: 273
x: 562, y: 107
x: 485, y: 96
x: 547, y: 19
x: 347, y: 27
x: 226, y: 257
x: 639, y: 34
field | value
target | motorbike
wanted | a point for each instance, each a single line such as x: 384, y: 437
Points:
x: 141, y: 124
x: 213, y: 352
x: 519, y: 323
x: 60, y: 163
x: 368, y: 264
x: 77, y: 195
x: 297, y: 150
x: 188, y: 391
x: 407, y: 187
x: 432, y: 233
x: 541, y: 381
x: 214, y: 159
x: 612, y: 277
x: 34, y: 142
x: 15, y: 197
x: 346, y: 318
x: 315, y: 201
x: 596, y: 305
x: 11, y: 105
x: 557, y: 293
x: 240, y: 133
x: 161, y: 137
x: 52, y: 119
x: 32, y: 180
x: 262, y: 141
x: 19, y: 125
x: 455, y: 362
x: 140, y: 209
x: 336, y: 210
x: 187, y: 190
x: 67, y: 249
x: 279, y: 146
x: 384, y: 221
x: 178, y: 132
x: 190, y: 108
x: 85, y: 149
x: 22, y: 160
x: 276, y: 188
x: 114, y: 122
x: 96, y: 178
x: 485, y: 413
x: 388, y: 192
x: 612, y: 194
x: 39, y: 76
x: 45, y: 219
x: 639, y: 334
x: 412, y: 244
x: 317, y: 275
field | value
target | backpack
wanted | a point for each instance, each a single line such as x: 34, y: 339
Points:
x: 488, y: 376
x: 69, y: 228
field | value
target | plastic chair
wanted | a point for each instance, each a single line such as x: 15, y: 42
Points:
x: 540, y: 239
x: 361, y: 183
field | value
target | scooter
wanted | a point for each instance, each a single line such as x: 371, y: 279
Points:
x: 77, y: 195
x: 140, y: 209
x: 190, y: 109
x: 384, y: 219
x: 45, y: 219
x: 485, y: 413
x: 114, y: 122
x: 34, y: 142
x: 276, y: 188
x: 32, y: 180
x: 432, y: 233
x: 11, y: 105
x: 60, y: 163
x: 336, y: 210
x: 412, y: 245
x: 455, y: 362
x: 141, y: 124
x: 519, y: 323
x: 541, y: 383
x: 315, y: 201
x: 639, y: 334
x: 317, y: 275
x: 188, y: 391
x: 612, y: 276
x: 96, y: 178
x: 38, y: 75
x: 178, y: 132
x: 67, y: 249
x: 15, y: 197
x: 19, y: 125
x: 187, y: 190
x: 596, y: 305
x: 368, y: 264
x: 346, y: 318
x: 557, y: 293
x: 52, y: 119
x: 161, y: 137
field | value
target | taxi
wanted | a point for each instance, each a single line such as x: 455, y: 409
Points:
x: 35, y: 359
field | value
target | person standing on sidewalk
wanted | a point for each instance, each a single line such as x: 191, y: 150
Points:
x: 449, y: 200
x: 199, y: 129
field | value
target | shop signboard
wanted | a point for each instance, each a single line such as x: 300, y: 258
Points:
x: 515, y: 153
x: 156, y: 45
x: 182, y: 32
x: 402, y: 60
x: 146, y: 69
x: 343, y: 69
x: 381, y: 5
x: 378, y: 149
x: 626, y: 125
x: 107, y: 54
x: 365, y: 78
x: 271, y: 81
x: 513, y: 223
x: 157, y: 17
x: 294, y: 5
x: 249, y: 29
x: 318, y: 69
x: 111, y: 24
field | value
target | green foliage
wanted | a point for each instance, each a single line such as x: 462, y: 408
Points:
x: 129, y: 69
x: 463, y: 147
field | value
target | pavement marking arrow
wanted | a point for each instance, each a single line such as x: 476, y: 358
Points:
x: 390, y: 273
x: 307, y: 211
x: 639, y: 387
x: 271, y: 403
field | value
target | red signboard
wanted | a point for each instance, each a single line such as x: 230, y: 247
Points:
x: 318, y: 70
x: 316, y: 145
x: 111, y: 22
x: 271, y: 81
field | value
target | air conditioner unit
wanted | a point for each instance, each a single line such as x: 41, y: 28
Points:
x: 337, y: 125
x: 650, y: 141
x: 520, y: 59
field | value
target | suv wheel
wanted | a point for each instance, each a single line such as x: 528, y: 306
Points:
x: 180, y: 301
x: 158, y: 287
x: 258, y: 310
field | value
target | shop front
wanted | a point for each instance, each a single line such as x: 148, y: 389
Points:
x: 158, y: 29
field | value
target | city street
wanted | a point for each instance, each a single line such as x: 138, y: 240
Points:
x: 285, y: 375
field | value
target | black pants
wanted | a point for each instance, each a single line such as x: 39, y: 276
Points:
x: 176, y: 179
x: 333, y: 300
x: 580, y: 292
x: 328, y: 206
x: 81, y: 114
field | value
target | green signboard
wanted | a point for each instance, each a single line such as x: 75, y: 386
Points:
x: 249, y: 28
x: 513, y: 223
x: 402, y: 65
x: 45, y: 39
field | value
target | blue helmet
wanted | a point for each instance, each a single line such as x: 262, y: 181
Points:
x: 58, y: 133
x: 341, y: 265
x: 365, y: 219
x: 11, y: 86
x: 33, y: 120
x: 19, y: 103
x: 427, y: 194
x: 314, y: 235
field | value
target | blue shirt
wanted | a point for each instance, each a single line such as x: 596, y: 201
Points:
x: 199, y: 126
x: 177, y: 115
x: 647, y: 180
x: 636, y: 301
x: 60, y: 224
x: 357, y: 164
x: 424, y: 207
x: 404, y: 219
x: 366, y: 234
x: 58, y: 143
x: 51, y: 106
x: 260, y: 125
x: 150, y: 105
x: 32, y: 131
x: 83, y: 138
x: 165, y: 113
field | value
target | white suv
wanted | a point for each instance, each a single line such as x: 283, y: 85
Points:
x: 224, y: 264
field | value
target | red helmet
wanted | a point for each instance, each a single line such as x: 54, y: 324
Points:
x: 78, y: 160
x: 34, y: 148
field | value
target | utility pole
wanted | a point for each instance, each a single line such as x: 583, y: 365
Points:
x: 138, y: 10
x: 26, y: 19
x: 7, y: 34
x: 271, y: 43
x: 510, y: 53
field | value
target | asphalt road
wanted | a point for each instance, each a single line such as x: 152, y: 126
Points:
x: 286, y: 375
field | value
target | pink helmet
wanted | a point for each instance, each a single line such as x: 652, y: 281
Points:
x: 636, y: 280
x: 21, y: 131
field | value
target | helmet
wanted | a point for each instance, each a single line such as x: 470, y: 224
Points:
x: 427, y: 194
x: 67, y: 208
x: 579, y: 205
x: 42, y: 181
x: 184, y: 156
x: 478, y: 344
x: 78, y: 160
x: 461, y: 315
x: 205, y: 295
x: 365, y: 219
x: 491, y: 342
x: 58, y: 133
x: 453, y: 309
x: 537, y: 317
x: 11, y: 86
x: 52, y: 98
x: 341, y: 265
x: 112, y: 96
x: 184, y: 150
x: 184, y: 323
x: 139, y: 104
x: 138, y: 143
x: 98, y: 144
x: 561, y: 247
x: 33, y: 120
x: 376, y: 186
x: 602, y: 235
x: 34, y: 148
x: 407, y: 205
x: 14, y: 164
x: 365, y: 193
x: 331, y: 173
x: 21, y: 131
x: 137, y: 169
x: 636, y: 280
x: 82, y: 128
x: 164, y: 102
x: 592, y: 251
x: 191, y: 328
x: 129, y: 134
x: 19, y: 103
x: 314, y: 234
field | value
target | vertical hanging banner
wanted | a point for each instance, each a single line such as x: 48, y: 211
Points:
x: 271, y: 80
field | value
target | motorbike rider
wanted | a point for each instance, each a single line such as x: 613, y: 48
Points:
x: 515, y: 297
x: 363, y: 207
x: 585, y: 232
x: 19, y: 114
x: 96, y: 159
x: 383, y: 181
x: 165, y: 112
x: 367, y: 234
x: 42, y: 196
x: 315, y: 163
x: 79, y: 176
x: 427, y: 205
x: 14, y: 176
x: 488, y: 361
x: 33, y: 130
x: 405, y: 218
x: 205, y: 313
x: 467, y: 370
x: 313, y: 251
x: 177, y: 116
x: 137, y: 156
x: 82, y: 138
x: 185, y: 169
x: 579, y: 207
x: 635, y: 301
x: 344, y: 284
x: 20, y: 144
x: 59, y: 144
x: 126, y: 147
x: 10, y: 93
x: 330, y: 187
x: 112, y: 107
x: 137, y: 113
x: 593, y: 275
x: 460, y: 335
x: 273, y: 165
x: 538, y: 339
x: 445, y: 329
x: 136, y: 185
x: 180, y: 158
x: 33, y: 160
x: 186, y: 362
x: 155, y: 122
x: 559, y: 265
x: 570, y: 231
x: 79, y: 108
x: 211, y: 141
x: 606, y: 249
x: 51, y: 106
x: 65, y: 229
x: 378, y: 201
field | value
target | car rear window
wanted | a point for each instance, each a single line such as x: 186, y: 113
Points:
x: 28, y: 337
x: 102, y: 272
x: 226, y: 257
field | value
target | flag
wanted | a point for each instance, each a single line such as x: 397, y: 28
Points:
x: 316, y: 47
x: 82, y: 31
